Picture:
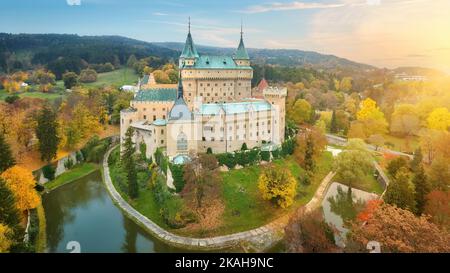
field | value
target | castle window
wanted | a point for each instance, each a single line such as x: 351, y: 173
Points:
x: 145, y: 109
x: 201, y: 94
x: 203, y: 139
x: 212, y: 139
x: 207, y: 94
x: 224, y: 84
x: 216, y: 83
x: 216, y: 94
x: 162, y: 131
x: 208, y: 84
x: 164, y: 109
x: 154, y: 118
x: 131, y: 120
x: 154, y: 109
x: 190, y: 94
x: 268, y: 131
x: 145, y: 117
x: 164, y: 116
x: 201, y: 84
x: 162, y: 141
x: 182, y: 142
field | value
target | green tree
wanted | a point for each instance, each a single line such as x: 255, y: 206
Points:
x: 439, y: 174
x: 309, y: 154
x: 417, y: 160
x: 131, y: 61
x: 88, y: 75
x: 422, y: 188
x: 354, y: 163
x: 6, y: 158
x: 244, y: 146
x: 70, y: 79
x: 395, y: 165
x: 400, y: 191
x: 47, y: 133
x: 301, y: 111
x: 129, y: 164
x: 333, y: 123
x: 9, y: 214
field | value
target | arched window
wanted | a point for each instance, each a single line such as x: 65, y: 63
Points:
x: 182, y: 142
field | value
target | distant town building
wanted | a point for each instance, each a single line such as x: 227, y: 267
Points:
x: 405, y: 77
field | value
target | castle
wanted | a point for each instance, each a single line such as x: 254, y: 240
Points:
x: 211, y: 108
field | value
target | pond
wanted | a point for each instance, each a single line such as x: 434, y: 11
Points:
x: 340, y: 206
x: 83, y: 211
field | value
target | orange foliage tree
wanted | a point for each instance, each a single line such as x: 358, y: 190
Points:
x: 22, y: 183
x: 397, y: 230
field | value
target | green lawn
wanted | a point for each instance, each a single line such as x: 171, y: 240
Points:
x: 402, y: 144
x: 244, y: 207
x: 119, y: 77
x: 40, y: 95
x: 72, y: 175
x: 367, y: 183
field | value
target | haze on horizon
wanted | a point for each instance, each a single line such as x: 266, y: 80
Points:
x: 384, y: 33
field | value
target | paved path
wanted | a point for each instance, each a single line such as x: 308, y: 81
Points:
x: 206, y: 243
x: 343, y: 141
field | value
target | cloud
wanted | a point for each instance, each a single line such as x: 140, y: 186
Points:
x: 291, y: 6
x: 159, y: 14
x: 73, y: 2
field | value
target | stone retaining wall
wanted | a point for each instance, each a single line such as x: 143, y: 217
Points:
x: 272, y: 231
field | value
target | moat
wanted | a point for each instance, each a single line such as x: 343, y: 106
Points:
x: 83, y: 211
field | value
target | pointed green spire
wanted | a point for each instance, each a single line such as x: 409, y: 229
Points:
x: 189, y: 50
x: 241, y: 52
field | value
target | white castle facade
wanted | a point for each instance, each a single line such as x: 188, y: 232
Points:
x: 212, y: 107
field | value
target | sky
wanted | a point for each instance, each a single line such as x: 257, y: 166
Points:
x: 384, y: 33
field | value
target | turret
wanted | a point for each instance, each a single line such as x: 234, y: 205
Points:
x: 189, y: 54
x: 241, y: 56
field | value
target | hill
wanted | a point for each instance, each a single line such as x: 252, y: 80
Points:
x: 283, y: 57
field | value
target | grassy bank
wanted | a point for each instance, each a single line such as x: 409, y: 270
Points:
x: 117, y: 78
x: 72, y: 175
x: 41, y: 241
x: 36, y: 94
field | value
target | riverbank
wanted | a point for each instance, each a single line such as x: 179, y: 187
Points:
x: 272, y: 232
x: 75, y: 173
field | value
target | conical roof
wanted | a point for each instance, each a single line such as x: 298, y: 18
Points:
x: 241, y: 52
x: 189, y: 50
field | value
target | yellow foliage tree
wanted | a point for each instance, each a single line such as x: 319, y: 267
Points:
x: 439, y: 119
x: 5, y: 238
x: 372, y: 118
x: 11, y: 86
x: 278, y: 185
x: 21, y: 182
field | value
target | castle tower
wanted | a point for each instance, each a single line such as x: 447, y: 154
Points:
x: 189, y: 54
x: 241, y: 56
x: 277, y: 98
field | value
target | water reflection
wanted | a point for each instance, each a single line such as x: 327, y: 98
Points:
x: 82, y: 211
x: 341, y: 205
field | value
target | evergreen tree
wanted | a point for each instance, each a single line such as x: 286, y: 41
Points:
x: 47, y: 133
x: 422, y: 188
x: 417, y: 160
x: 9, y: 214
x: 129, y: 164
x: 244, y: 146
x: 6, y: 158
x: 309, y: 154
x: 400, y: 191
x: 312, y: 117
x: 333, y: 125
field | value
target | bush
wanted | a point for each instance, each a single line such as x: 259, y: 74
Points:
x: 242, y: 158
x: 276, y: 154
x: 95, y: 148
x: 254, y: 156
x: 287, y: 148
x: 209, y: 150
x: 143, y: 151
x: 68, y: 164
x: 49, y: 172
x: 226, y: 159
x: 161, y: 160
x: 11, y: 99
x: 79, y: 157
x: 244, y: 147
x: 88, y: 75
x: 265, y: 155
x: 177, y: 175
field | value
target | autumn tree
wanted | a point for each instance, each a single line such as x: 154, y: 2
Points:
x: 47, y: 133
x: 400, y: 191
x: 353, y: 163
x: 376, y: 140
x: 6, y: 158
x: 439, y: 174
x: 129, y: 165
x: 397, y: 230
x: 70, y: 79
x: 333, y: 123
x: 5, y: 238
x: 372, y: 118
x: 417, y: 159
x: 22, y: 183
x: 88, y: 75
x: 307, y: 232
x: 45, y: 79
x: 277, y: 185
x: 309, y: 154
x: 439, y: 119
x: 405, y: 121
x: 202, y: 180
x: 437, y: 206
x: 300, y: 112
x: 317, y: 143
